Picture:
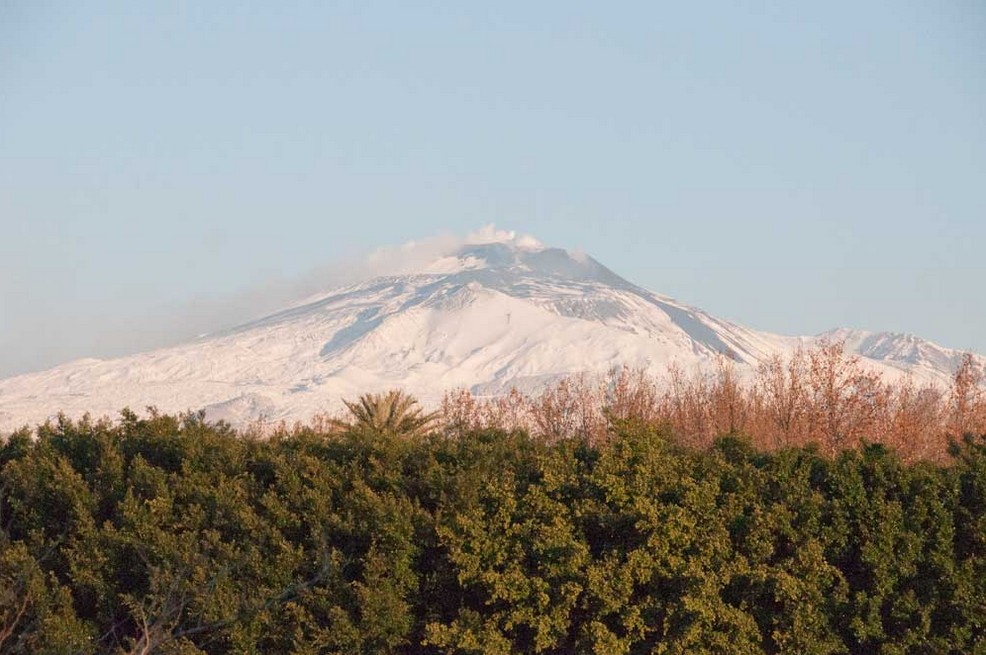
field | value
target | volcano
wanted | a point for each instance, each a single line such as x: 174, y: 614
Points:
x: 494, y: 313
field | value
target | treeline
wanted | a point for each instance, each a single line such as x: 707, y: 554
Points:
x: 168, y: 534
x: 821, y: 396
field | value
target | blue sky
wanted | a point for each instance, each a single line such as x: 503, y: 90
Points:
x: 791, y: 166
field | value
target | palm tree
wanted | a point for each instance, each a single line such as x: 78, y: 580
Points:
x: 394, y: 412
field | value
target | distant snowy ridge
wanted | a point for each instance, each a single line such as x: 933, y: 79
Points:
x: 491, y: 312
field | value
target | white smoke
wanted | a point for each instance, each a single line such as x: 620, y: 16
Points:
x: 416, y: 255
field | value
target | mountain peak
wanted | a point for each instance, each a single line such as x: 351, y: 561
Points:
x: 513, y: 261
x: 490, y: 254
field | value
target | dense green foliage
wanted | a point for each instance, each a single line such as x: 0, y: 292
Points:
x: 172, y: 535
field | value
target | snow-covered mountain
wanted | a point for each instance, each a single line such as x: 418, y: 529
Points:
x: 493, y: 313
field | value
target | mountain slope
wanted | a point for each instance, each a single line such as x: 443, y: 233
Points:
x: 488, y: 316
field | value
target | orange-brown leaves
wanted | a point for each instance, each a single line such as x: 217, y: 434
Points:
x: 821, y: 396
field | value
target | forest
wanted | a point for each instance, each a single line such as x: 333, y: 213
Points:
x: 539, y: 525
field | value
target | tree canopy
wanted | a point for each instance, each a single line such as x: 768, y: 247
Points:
x: 168, y: 534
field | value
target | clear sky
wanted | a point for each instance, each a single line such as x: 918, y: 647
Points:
x: 792, y: 166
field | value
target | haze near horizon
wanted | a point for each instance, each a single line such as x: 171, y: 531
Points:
x: 166, y: 172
